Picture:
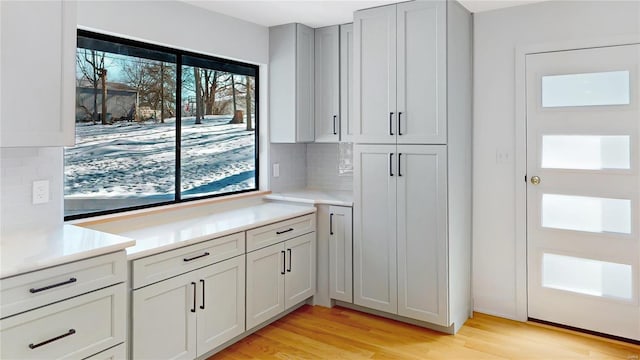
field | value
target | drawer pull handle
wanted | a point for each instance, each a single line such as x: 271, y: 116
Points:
x: 70, y: 332
x: 284, y: 231
x: 196, y: 257
x: 70, y: 281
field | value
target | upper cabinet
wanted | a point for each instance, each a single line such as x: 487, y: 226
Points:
x: 291, y: 83
x: 37, y: 77
x: 327, y: 81
x: 346, y: 82
x: 401, y: 72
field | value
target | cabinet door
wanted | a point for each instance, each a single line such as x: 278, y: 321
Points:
x: 265, y: 284
x: 346, y: 83
x: 375, y: 75
x: 340, y: 253
x: 304, y: 83
x: 374, y: 250
x: 327, y: 82
x: 300, y: 276
x: 164, y: 319
x: 220, y: 303
x: 422, y: 234
x: 37, y: 95
x: 421, y: 71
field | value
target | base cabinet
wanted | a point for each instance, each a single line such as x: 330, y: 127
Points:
x: 340, y: 253
x: 189, y: 315
x: 280, y: 276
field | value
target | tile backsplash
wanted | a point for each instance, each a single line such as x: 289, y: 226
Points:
x: 323, y: 168
x: 292, y: 159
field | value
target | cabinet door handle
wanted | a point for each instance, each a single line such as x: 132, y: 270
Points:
x: 194, y: 297
x: 331, y: 224
x: 399, y: 162
x: 68, y: 333
x: 37, y: 290
x: 391, y: 123
x: 196, y: 257
x: 202, y: 282
x: 390, y: 164
x: 284, y: 259
x: 399, y: 127
x: 289, y: 251
x: 334, y: 124
x: 284, y: 231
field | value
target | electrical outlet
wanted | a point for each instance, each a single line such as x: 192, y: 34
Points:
x: 276, y: 170
x: 40, y: 192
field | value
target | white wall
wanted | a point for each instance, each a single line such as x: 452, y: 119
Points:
x: 496, y: 36
x: 168, y: 23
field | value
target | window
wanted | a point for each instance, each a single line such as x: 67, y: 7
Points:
x: 156, y: 126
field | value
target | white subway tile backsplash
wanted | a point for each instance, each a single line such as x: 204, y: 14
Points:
x: 322, y: 168
x: 293, y: 168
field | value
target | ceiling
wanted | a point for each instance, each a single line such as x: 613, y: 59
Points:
x: 316, y: 13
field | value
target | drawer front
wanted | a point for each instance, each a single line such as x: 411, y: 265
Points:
x: 71, y: 329
x: 158, y: 267
x: 274, y: 233
x: 115, y: 353
x: 25, y: 292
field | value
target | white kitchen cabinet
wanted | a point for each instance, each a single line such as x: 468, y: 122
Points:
x: 192, y: 313
x: 341, y: 253
x: 291, y: 85
x: 37, y: 95
x: 400, y: 93
x: 115, y: 353
x: 346, y: 83
x: 327, y: 83
x: 279, y: 276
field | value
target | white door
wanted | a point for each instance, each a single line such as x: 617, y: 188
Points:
x: 327, y: 83
x: 422, y: 232
x: 300, y: 275
x: 220, y: 303
x: 340, y: 253
x: 164, y: 319
x: 265, y: 284
x: 374, y: 32
x: 375, y: 284
x: 583, y: 128
x: 421, y: 73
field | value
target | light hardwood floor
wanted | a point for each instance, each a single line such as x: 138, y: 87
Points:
x: 338, y: 333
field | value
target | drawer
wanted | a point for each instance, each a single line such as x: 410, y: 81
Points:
x: 71, y: 329
x: 115, y: 353
x: 28, y: 291
x: 161, y: 266
x: 274, y: 233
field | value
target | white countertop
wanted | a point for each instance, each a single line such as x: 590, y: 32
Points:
x: 158, y: 233
x: 314, y: 196
x: 30, y: 250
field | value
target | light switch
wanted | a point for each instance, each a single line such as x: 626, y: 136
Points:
x: 40, y: 192
x: 276, y: 170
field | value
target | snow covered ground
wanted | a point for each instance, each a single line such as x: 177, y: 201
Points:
x: 130, y: 160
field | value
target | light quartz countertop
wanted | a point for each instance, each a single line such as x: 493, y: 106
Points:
x: 30, y: 250
x: 314, y: 196
x: 172, y: 230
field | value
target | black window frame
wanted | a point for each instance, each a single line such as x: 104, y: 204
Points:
x: 109, y: 43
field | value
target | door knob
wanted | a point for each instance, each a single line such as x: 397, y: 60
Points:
x: 535, y: 180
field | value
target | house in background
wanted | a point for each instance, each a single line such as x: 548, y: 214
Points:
x: 122, y: 102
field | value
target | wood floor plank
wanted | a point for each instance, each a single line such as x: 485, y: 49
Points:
x: 313, y: 332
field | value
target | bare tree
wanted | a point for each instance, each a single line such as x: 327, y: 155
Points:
x: 248, y: 101
x: 199, y: 102
x: 91, y: 65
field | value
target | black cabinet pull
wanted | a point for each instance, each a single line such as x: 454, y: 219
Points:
x: 196, y: 257
x: 284, y: 259
x: 68, y: 333
x: 194, y: 296
x: 289, y: 251
x: 331, y: 224
x: 399, y: 126
x: 37, y: 290
x: 399, y: 162
x: 391, y: 123
x: 284, y: 231
x: 202, y: 282
x: 334, y: 124
x: 391, y: 164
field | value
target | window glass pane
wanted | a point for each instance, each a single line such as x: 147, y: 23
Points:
x: 583, y: 213
x: 218, y: 136
x: 585, y: 152
x: 590, y: 89
x: 125, y: 149
x: 587, y: 276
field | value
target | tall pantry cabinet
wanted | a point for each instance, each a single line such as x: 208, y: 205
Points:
x: 412, y: 181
